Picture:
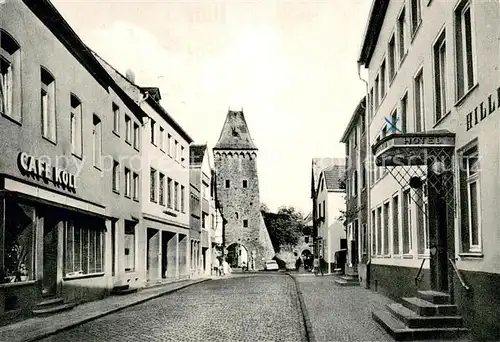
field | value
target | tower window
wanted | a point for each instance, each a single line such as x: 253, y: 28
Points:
x: 245, y: 223
x: 245, y: 183
x: 227, y: 183
x: 236, y: 214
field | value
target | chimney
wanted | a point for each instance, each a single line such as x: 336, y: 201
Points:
x: 130, y: 75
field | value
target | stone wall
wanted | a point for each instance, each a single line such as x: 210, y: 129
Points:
x: 240, y: 204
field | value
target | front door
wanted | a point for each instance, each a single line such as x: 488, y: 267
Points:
x: 50, y: 242
x: 441, y: 230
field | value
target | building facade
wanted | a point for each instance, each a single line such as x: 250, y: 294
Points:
x: 356, y: 185
x: 163, y: 243
x: 330, y: 198
x: 235, y: 159
x: 433, y: 74
x: 59, y: 213
x: 201, y: 172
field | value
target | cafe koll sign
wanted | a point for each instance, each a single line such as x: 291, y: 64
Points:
x: 42, y: 169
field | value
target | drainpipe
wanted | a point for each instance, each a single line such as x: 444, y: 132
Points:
x: 368, y: 117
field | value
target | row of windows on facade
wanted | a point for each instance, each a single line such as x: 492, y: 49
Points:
x: 10, y: 88
x: 397, y: 50
x: 167, y: 143
x: 464, y: 64
x: 244, y: 183
x: 10, y: 104
x: 415, y: 201
x: 175, y: 192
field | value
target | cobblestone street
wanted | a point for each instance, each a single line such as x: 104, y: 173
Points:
x: 255, y: 308
x: 340, y: 313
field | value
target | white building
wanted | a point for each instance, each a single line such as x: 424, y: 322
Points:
x: 330, y: 199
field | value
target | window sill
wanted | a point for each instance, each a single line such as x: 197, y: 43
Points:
x: 83, y: 276
x: 116, y: 133
x: 461, y: 100
x: 10, y: 118
x: 116, y: 191
x: 162, y: 150
x: 128, y: 142
x: 415, y: 31
x: 19, y: 283
x: 441, y: 119
x: 130, y: 270
x: 136, y: 200
x: 97, y: 168
x: 407, y: 256
x: 53, y: 142
x: 153, y: 143
x: 136, y: 148
x: 471, y: 255
x: 424, y: 256
x: 76, y: 155
x: 127, y: 196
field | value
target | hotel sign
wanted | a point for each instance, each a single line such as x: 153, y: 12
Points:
x: 39, y: 168
x: 409, y: 149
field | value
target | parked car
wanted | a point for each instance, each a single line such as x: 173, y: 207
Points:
x: 271, y: 265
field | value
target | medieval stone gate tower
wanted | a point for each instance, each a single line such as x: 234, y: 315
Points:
x: 238, y: 190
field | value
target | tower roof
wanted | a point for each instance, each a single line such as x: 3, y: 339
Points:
x: 235, y: 134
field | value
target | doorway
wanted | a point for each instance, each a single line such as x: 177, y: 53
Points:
x: 50, y: 223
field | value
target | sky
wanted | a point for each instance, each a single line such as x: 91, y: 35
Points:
x: 290, y: 64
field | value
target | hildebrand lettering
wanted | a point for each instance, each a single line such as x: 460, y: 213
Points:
x: 482, y: 111
x: 42, y: 169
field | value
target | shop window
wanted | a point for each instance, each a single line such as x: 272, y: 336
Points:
x: 374, y: 232
x: 129, y: 246
x: 18, y: 243
x: 10, y: 77
x: 84, y: 244
x: 48, y: 105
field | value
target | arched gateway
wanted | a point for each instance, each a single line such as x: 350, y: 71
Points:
x: 235, y: 159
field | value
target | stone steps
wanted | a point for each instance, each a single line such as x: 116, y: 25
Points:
x: 347, y: 280
x: 51, y: 306
x: 428, y: 316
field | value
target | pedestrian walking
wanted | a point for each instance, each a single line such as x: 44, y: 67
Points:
x: 322, y: 265
x: 216, y: 267
x: 316, y: 266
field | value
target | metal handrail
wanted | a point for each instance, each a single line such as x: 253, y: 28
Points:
x: 419, y: 271
x: 458, y: 273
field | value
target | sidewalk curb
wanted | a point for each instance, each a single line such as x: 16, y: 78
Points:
x: 140, y: 301
x: 305, y: 314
